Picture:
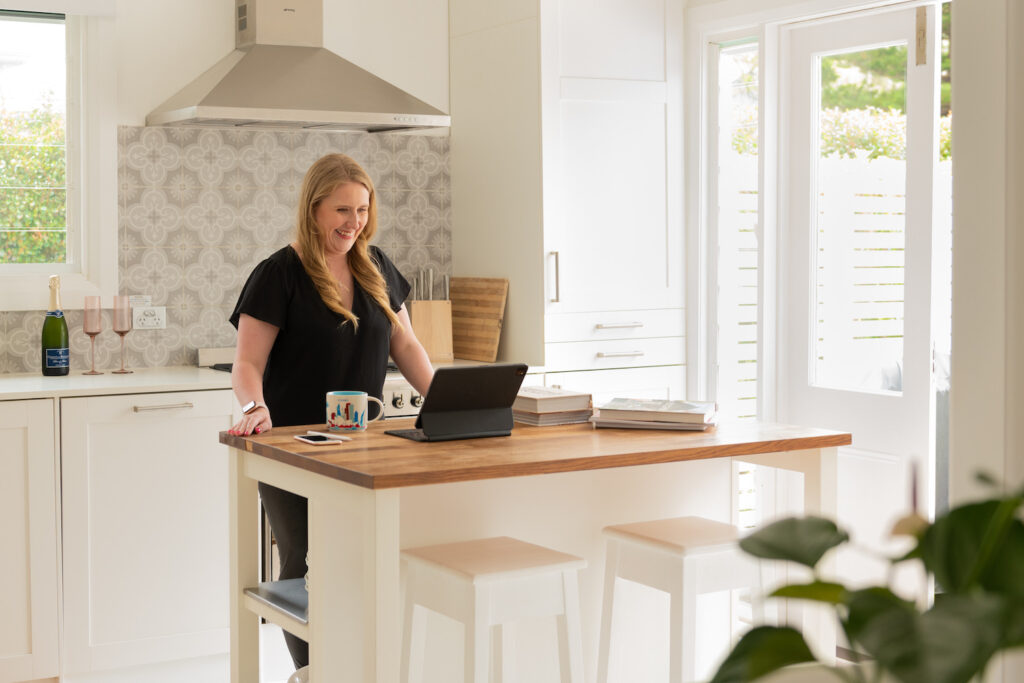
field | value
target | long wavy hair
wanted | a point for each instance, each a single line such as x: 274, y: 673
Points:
x: 322, y: 178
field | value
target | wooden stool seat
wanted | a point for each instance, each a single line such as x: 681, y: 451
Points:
x: 485, y: 583
x: 490, y: 559
x: 679, y: 535
x: 684, y: 557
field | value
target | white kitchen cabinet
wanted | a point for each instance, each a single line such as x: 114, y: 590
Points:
x: 28, y: 539
x: 652, y: 382
x: 145, y: 536
x: 566, y: 173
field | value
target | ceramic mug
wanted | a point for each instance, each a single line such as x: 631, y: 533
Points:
x: 346, y: 410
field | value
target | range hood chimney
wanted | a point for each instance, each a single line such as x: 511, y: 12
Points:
x: 281, y: 76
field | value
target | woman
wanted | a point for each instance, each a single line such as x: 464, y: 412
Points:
x: 321, y: 314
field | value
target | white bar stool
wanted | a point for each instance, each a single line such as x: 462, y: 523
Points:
x: 683, y: 556
x: 488, y: 583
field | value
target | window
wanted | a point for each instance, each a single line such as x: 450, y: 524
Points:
x: 735, y: 225
x: 33, y: 132
x: 58, y: 153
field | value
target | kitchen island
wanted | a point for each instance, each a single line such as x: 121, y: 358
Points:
x: 556, y: 486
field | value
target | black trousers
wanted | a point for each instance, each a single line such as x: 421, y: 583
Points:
x: 289, y: 522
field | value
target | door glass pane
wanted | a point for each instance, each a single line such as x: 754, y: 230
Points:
x: 737, y: 231
x: 860, y: 188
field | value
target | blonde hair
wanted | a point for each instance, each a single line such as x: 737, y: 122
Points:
x: 322, y: 178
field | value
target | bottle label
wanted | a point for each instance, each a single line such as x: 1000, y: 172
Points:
x: 55, y: 314
x: 58, y: 358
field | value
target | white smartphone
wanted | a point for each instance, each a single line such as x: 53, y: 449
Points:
x: 330, y: 435
x: 316, y: 439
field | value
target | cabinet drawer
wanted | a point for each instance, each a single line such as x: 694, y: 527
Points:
x: 591, y: 326
x: 613, y: 353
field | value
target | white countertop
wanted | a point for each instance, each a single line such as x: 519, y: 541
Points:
x: 141, y: 381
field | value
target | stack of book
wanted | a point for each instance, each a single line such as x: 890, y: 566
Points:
x: 631, y: 413
x: 542, y: 406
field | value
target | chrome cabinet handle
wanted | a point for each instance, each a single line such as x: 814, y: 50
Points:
x: 616, y: 326
x: 166, y: 406
x: 619, y: 354
x: 558, y: 296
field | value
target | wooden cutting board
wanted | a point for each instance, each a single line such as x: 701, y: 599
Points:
x: 432, y: 323
x: 478, y: 310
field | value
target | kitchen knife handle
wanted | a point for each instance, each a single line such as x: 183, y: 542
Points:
x: 558, y: 296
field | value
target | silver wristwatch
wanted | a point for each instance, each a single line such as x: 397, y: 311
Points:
x: 253, y: 405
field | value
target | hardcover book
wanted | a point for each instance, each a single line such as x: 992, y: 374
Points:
x: 600, y: 422
x: 550, y: 400
x: 654, y: 410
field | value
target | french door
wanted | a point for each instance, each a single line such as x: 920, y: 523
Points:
x: 855, y: 247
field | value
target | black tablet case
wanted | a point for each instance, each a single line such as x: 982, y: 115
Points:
x: 468, y: 402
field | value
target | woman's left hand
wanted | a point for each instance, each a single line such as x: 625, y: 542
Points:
x: 256, y: 422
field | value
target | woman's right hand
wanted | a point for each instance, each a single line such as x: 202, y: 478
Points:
x: 256, y: 422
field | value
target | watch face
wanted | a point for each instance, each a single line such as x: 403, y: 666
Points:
x: 249, y: 407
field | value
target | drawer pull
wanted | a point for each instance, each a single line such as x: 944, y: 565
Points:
x: 616, y: 326
x: 166, y: 406
x: 619, y: 354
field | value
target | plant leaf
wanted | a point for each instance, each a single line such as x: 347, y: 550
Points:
x: 975, y: 544
x: 866, y: 605
x: 910, y: 525
x: 762, y: 650
x: 950, y: 643
x: 1014, y: 632
x: 820, y: 591
x: 802, y: 540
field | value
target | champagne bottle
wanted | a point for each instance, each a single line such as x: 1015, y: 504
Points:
x: 56, y: 354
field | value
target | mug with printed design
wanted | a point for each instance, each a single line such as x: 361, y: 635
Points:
x: 347, y: 410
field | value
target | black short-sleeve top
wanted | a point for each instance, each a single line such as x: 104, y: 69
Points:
x: 316, y: 349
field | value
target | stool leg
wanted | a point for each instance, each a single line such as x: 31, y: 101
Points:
x: 683, y: 626
x: 503, y: 653
x: 478, y: 639
x: 570, y: 634
x: 611, y: 566
x: 414, y: 640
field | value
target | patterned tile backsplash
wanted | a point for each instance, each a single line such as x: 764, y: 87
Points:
x: 198, y: 208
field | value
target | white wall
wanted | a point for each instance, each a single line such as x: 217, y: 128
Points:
x: 404, y: 42
x: 162, y: 46
x: 987, y: 396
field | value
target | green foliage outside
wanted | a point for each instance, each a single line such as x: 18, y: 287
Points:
x: 863, y: 103
x: 33, y: 214
x: 874, y: 132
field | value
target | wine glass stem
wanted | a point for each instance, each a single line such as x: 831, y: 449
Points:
x: 122, y: 352
x: 92, y: 345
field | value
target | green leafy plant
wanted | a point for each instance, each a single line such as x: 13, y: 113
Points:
x: 33, y: 213
x: 976, y: 554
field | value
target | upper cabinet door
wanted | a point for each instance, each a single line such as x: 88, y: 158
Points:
x: 616, y: 247
x: 616, y: 39
x: 612, y: 158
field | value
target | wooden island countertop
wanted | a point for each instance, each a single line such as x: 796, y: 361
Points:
x: 375, y: 460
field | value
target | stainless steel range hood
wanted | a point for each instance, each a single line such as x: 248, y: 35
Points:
x: 280, y: 76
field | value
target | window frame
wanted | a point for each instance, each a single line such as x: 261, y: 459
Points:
x: 91, y: 183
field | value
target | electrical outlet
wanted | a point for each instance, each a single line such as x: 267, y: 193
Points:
x: 149, y: 317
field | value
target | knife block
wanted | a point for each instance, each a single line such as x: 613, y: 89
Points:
x: 432, y: 323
